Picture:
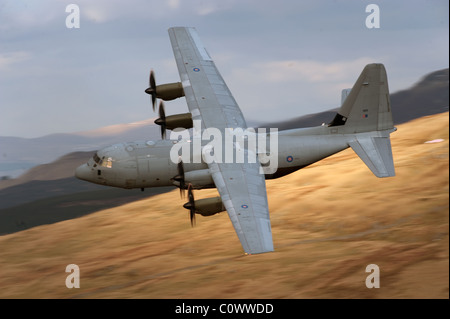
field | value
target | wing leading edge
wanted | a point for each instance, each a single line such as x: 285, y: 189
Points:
x: 240, y: 185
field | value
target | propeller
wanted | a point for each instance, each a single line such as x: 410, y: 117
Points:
x: 191, y: 205
x: 161, y: 121
x: 152, y: 88
x: 180, y: 178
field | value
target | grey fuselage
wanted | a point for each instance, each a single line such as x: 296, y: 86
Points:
x: 144, y: 164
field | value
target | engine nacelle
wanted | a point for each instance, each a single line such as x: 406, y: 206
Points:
x: 170, y: 91
x: 199, y: 179
x: 179, y: 120
x: 207, y: 206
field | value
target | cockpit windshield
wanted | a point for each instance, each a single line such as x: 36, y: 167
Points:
x: 102, y: 161
x: 97, y: 159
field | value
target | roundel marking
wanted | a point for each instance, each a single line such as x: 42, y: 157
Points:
x: 244, y: 206
x: 289, y: 159
x: 196, y: 69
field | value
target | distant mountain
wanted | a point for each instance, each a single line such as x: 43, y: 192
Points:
x: 427, y: 97
x: 63, y: 167
x: 19, y: 154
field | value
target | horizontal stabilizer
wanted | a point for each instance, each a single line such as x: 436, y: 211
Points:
x: 376, y: 153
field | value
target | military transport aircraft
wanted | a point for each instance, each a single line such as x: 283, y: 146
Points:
x: 363, y: 122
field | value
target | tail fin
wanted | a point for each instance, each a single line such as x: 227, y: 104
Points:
x: 367, y: 107
x: 366, y: 117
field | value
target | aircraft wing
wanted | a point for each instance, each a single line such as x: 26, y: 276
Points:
x: 240, y: 185
x: 207, y: 95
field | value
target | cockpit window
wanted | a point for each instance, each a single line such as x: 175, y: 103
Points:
x: 107, y: 162
x: 97, y: 159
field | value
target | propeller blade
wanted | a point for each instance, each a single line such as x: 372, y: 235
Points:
x: 181, y: 178
x: 191, y: 204
x: 162, y: 116
x: 161, y: 121
x: 152, y: 88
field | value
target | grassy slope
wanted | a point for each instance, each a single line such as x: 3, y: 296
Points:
x: 330, y: 220
x: 71, y: 204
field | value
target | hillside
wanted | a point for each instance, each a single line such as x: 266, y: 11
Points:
x: 40, y: 196
x: 60, y: 168
x: 330, y: 220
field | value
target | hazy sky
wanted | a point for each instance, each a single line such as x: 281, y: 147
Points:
x: 280, y: 59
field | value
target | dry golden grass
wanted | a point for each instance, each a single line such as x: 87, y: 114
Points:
x: 329, y: 221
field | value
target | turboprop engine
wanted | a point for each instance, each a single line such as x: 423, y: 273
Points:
x: 204, y: 207
x: 172, y: 122
x: 166, y: 92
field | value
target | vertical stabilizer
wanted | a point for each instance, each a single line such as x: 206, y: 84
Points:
x: 367, y: 107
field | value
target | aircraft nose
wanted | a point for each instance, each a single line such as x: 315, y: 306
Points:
x: 83, y: 172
